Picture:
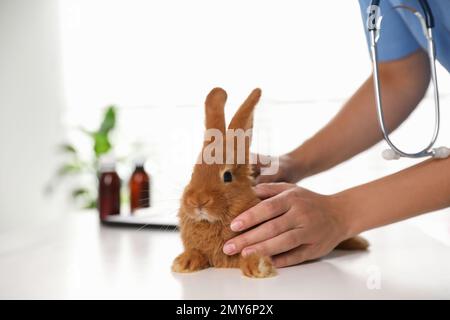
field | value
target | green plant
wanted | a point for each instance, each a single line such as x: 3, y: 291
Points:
x: 84, y: 190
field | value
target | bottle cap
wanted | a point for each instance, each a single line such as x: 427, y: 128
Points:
x: 107, y: 163
x: 139, y: 161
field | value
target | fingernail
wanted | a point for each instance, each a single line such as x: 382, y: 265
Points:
x: 247, y: 252
x: 229, y: 248
x: 236, y: 225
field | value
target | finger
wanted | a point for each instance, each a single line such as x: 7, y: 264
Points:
x: 261, y: 160
x: 266, y: 178
x: 255, y: 165
x: 282, y: 243
x: 265, y: 210
x: 293, y: 256
x: 267, y: 190
x: 266, y: 231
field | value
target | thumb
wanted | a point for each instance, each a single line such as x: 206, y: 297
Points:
x: 261, y: 179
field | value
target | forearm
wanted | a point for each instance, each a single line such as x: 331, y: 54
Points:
x: 355, y: 128
x: 422, y: 188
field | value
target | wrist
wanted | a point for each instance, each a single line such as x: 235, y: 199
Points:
x: 341, y: 207
x: 294, y: 166
x: 304, y: 160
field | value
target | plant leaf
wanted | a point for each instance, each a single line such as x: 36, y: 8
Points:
x: 68, y: 168
x: 67, y: 147
x: 78, y: 192
x: 101, y: 144
x: 109, y: 120
x: 90, y: 204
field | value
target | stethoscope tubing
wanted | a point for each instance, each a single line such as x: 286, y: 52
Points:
x: 373, y: 25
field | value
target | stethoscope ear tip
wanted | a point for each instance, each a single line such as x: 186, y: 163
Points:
x: 441, y: 152
x: 390, y: 154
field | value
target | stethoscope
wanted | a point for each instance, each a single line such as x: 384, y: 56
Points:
x: 373, y: 24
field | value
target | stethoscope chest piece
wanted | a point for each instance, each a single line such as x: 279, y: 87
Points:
x: 438, y: 153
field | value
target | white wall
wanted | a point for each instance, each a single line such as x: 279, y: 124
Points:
x: 30, y: 104
x: 140, y: 53
x: 157, y: 60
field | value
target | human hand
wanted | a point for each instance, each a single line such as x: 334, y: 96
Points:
x: 288, y: 169
x: 293, y: 225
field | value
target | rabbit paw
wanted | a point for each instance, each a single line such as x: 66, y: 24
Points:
x: 256, y: 266
x: 190, y: 261
x: 355, y: 243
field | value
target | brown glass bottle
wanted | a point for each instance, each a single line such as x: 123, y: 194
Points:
x: 139, y: 187
x: 108, y: 190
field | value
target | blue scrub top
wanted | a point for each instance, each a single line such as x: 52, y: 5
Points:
x: 401, y: 32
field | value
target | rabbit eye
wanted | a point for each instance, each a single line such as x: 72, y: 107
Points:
x: 227, y: 176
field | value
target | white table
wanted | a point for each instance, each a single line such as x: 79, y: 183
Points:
x: 76, y: 257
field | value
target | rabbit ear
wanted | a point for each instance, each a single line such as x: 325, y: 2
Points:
x: 242, y: 121
x: 243, y: 118
x: 214, y: 113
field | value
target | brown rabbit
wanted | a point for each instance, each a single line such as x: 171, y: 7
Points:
x: 217, y: 193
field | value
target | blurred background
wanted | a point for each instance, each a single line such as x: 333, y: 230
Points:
x: 63, y: 63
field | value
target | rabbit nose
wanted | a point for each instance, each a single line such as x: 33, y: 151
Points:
x: 203, y: 202
x: 198, y: 202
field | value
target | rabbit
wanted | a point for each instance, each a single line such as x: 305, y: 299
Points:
x: 217, y: 193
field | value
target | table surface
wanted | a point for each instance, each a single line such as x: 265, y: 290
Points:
x: 76, y: 257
